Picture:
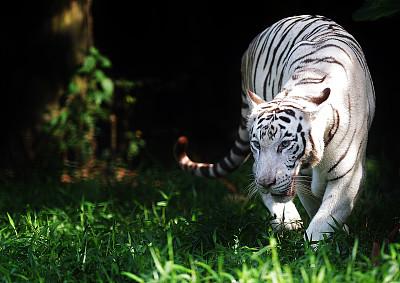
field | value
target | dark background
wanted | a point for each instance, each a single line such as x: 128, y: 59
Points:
x: 187, y: 58
x: 193, y: 53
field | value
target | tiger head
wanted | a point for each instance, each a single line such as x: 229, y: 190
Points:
x: 282, y: 141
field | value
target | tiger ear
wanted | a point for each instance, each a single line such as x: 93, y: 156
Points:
x: 253, y: 99
x: 318, y: 101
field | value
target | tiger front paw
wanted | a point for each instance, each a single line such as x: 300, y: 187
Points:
x: 287, y: 223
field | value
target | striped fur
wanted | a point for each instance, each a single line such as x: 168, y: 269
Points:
x: 307, y: 103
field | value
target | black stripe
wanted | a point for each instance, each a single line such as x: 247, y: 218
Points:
x: 269, y: 73
x: 284, y: 119
x: 225, y: 166
x: 317, y: 30
x: 299, y: 128
x: 341, y: 176
x: 304, y: 145
x: 236, y: 150
x: 336, y: 46
x: 268, y: 57
x: 216, y: 173
x: 293, y: 144
x: 328, y: 59
x: 335, y: 126
x: 287, y: 134
x: 261, y: 52
x: 311, y: 141
x: 279, y: 63
x: 243, y: 128
x: 204, y: 170
x: 305, y: 57
x: 344, y: 154
x: 290, y: 112
x: 310, y: 81
x: 263, y: 118
x: 348, y: 39
x: 349, y: 121
x: 283, y: 53
x: 230, y: 160
x: 243, y: 122
x: 357, y: 158
x: 242, y: 142
x: 304, y: 28
x: 256, y: 42
x: 282, y: 38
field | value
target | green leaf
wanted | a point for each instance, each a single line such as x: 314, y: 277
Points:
x: 108, y: 87
x: 93, y: 51
x: 373, y: 10
x: 87, y: 119
x: 133, y: 149
x: 63, y: 116
x: 73, y: 88
x: 96, y: 96
x: 105, y: 62
x: 129, y: 99
x: 99, y: 75
x: 88, y: 65
x: 54, y: 121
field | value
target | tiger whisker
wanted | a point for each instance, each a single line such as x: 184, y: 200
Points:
x: 252, y: 189
x: 295, y: 183
x: 302, y: 177
x: 301, y: 180
x: 305, y: 190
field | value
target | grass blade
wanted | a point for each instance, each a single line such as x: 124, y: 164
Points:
x: 12, y: 224
x: 132, y: 276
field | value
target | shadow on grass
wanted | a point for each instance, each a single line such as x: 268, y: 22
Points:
x: 213, y: 211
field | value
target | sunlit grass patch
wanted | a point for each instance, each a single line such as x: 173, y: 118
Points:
x: 170, y: 227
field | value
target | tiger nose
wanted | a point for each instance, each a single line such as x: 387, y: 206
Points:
x: 267, y: 182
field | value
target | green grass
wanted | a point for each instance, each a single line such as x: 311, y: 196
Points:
x: 167, y: 226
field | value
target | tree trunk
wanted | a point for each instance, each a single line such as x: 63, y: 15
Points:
x: 40, y: 57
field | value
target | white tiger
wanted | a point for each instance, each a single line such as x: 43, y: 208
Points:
x: 307, y: 103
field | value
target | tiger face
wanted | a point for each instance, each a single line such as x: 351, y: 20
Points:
x: 278, y: 143
x: 281, y: 142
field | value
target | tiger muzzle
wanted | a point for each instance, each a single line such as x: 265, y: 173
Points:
x: 284, y: 195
